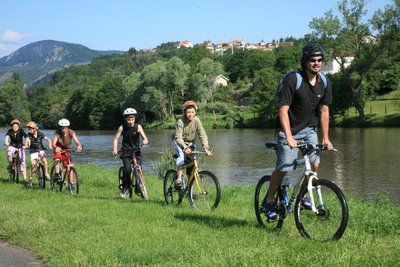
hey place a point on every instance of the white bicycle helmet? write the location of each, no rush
(63, 123)
(129, 111)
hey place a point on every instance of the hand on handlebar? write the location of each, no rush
(208, 152)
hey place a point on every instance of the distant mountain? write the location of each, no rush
(37, 59)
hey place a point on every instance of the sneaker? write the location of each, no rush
(122, 193)
(270, 210)
(47, 177)
(306, 203)
(178, 185)
(30, 184)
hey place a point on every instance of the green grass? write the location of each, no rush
(383, 111)
(97, 228)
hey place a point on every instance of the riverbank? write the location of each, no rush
(97, 228)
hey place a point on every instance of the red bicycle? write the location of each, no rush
(70, 177)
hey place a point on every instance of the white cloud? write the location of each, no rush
(11, 36)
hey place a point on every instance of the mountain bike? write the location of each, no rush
(137, 179)
(15, 167)
(70, 176)
(40, 173)
(320, 207)
(201, 187)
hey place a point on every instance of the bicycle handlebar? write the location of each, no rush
(300, 145)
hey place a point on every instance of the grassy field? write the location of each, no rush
(381, 112)
(97, 228)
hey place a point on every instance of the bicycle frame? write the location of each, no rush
(68, 165)
(195, 171)
(306, 172)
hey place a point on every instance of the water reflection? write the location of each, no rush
(367, 160)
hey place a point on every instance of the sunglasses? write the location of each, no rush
(313, 60)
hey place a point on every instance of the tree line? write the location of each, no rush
(157, 83)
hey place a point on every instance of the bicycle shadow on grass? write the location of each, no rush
(212, 221)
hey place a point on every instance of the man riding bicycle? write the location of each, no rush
(299, 110)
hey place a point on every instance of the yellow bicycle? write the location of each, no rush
(201, 187)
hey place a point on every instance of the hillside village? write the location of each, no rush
(330, 66)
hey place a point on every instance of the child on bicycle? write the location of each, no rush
(63, 140)
(36, 148)
(131, 133)
(14, 142)
(186, 129)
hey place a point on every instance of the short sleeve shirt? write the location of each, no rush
(36, 142)
(305, 103)
(16, 138)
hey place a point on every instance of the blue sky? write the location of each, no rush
(122, 24)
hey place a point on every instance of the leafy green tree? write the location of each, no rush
(350, 36)
(287, 58)
(13, 101)
(264, 100)
(106, 105)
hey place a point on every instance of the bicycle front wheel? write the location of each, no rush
(205, 191)
(330, 222)
(13, 173)
(140, 184)
(260, 198)
(171, 194)
(40, 176)
(73, 181)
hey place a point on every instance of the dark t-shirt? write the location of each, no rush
(305, 103)
(16, 137)
(36, 142)
(130, 140)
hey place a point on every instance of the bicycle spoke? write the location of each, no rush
(259, 198)
(330, 221)
(205, 192)
(171, 195)
(73, 181)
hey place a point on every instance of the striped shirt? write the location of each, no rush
(36, 142)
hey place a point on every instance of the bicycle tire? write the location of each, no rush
(12, 173)
(141, 185)
(331, 222)
(40, 176)
(53, 181)
(120, 177)
(259, 196)
(73, 181)
(205, 194)
(131, 183)
(172, 195)
(17, 171)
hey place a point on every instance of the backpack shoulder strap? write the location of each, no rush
(299, 80)
(324, 80)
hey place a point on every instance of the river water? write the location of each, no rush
(366, 163)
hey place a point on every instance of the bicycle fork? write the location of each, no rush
(311, 195)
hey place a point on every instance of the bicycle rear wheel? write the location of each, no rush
(73, 181)
(260, 197)
(331, 220)
(205, 192)
(172, 195)
(40, 176)
(140, 184)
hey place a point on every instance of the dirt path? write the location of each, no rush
(13, 256)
